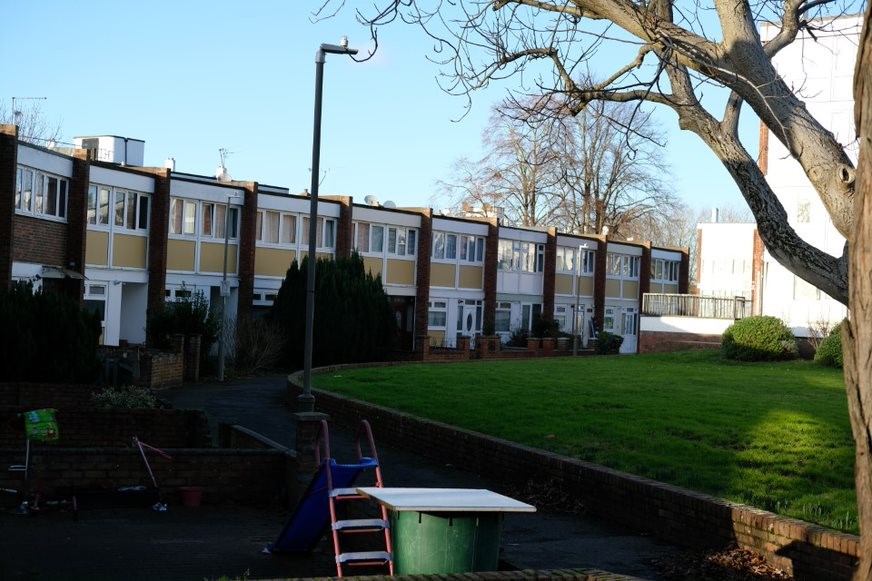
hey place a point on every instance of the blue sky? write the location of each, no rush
(190, 77)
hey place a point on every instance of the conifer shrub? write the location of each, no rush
(608, 343)
(353, 318)
(189, 315)
(829, 352)
(758, 339)
(46, 337)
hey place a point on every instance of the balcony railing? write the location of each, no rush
(669, 305)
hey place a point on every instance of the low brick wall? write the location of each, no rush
(260, 475)
(44, 395)
(95, 427)
(661, 342)
(161, 369)
(522, 575)
(669, 512)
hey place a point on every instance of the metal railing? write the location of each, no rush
(674, 305)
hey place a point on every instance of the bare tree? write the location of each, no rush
(680, 52)
(612, 173)
(517, 175)
(33, 126)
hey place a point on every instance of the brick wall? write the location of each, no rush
(669, 512)
(40, 241)
(663, 342)
(422, 281)
(549, 276)
(245, 263)
(161, 369)
(8, 163)
(491, 262)
(97, 427)
(158, 231)
(244, 476)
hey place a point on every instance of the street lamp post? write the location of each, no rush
(306, 401)
(581, 249)
(225, 291)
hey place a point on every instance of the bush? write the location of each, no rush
(543, 327)
(46, 337)
(131, 397)
(830, 350)
(758, 339)
(353, 318)
(518, 338)
(190, 315)
(257, 344)
(608, 343)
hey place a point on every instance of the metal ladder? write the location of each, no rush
(342, 528)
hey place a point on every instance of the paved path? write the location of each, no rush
(544, 540)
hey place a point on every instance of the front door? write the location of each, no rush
(630, 330)
(466, 322)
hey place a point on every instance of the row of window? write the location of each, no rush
(575, 260)
(286, 229)
(470, 314)
(122, 209)
(665, 270)
(623, 266)
(382, 239)
(515, 255)
(40, 194)
(446, 247)
(213, 219)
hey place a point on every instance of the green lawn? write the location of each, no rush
(773, 435)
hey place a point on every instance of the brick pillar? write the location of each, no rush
(645, 271)
(599, 282)
(491, 262)
(345, 228)
(192, 357)
(549, 275)
(422, 280)
(157, 241)
(307, 427)
(684, 272)
(77, 221)
(8, 165)
(245, 260)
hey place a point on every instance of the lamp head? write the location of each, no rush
(343, 42)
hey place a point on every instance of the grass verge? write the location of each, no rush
(772, 435)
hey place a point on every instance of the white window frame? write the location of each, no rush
(325, 235)
(36, 204)
(521, 256)
(437, 306)
(503, 307)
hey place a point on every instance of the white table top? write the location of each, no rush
(444, 500)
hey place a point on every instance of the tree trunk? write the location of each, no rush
(857, 334)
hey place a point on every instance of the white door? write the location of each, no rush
(630, 330)
(466, 322)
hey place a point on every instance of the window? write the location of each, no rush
(560, 315)
(444, 246)
(289, 229)
(129, 210)
(208, 221)
(665, 270)
(471, 249)
(41, 194)
(503, 318)
(376, 238)
(521, 256)
(268, 226)
(623, 266)
(221, 218)
(183, 216)
(437, 315)
(325, 235)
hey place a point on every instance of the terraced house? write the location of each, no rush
(93, 223)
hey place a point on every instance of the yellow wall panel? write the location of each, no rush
(97, 248)
(436, 338)
(587, 286)
(373, 265)
(471, 277)
(613, 288)
(401, 272)
(670, 288)
(563, 284)
(631, 289)
(180, 255)
(212, 257)
(442, 275)
(129, 251)
(272, 261)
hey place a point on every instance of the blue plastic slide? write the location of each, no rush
(312, 515)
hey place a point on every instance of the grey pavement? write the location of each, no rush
(211, 541)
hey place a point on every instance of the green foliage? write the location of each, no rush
(131, 397)
(518, 338)
(608, 343)
(353, 318)
(758, 339)
(543, 327)
(190, 315)
(46, 337)
(830, 351)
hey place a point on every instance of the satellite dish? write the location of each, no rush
(389, 204)
(371, 200)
